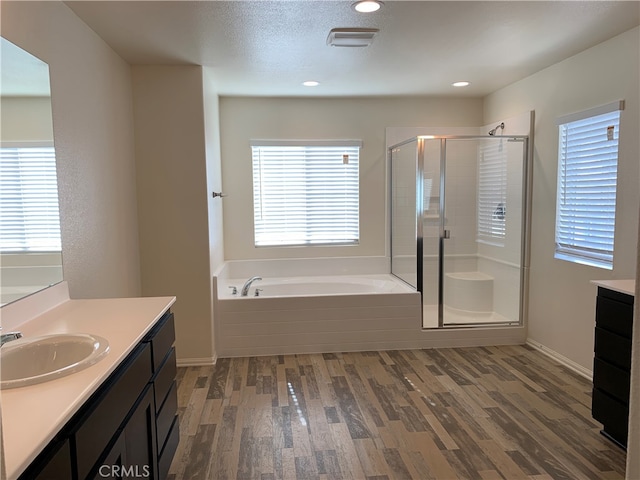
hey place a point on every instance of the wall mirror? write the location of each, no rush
(30, 248)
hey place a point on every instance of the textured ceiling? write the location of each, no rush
(269, 48)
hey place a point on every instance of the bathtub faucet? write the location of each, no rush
(245, 288)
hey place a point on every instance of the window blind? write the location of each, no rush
(587, 177)
(306, 194)
(492, 193)
(29, 215)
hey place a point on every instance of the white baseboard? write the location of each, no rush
(570, 364)
(196, 362)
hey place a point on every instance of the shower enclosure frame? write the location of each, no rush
(525, 220)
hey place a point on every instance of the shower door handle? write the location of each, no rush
(446, 234)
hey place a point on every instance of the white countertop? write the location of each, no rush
(622, 286)
(32, 415)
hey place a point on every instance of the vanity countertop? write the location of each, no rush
(32, 415)
(622, 286)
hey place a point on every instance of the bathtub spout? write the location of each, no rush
(245, 288)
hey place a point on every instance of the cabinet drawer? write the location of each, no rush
(613, 348)
(161, 337)
(614, 316)
(169, 449)
(166, 414)
(164, 379)
(611, 379)
(112, 404)
(613, 415)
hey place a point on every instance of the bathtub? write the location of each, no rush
(326, 305)
(312, 305)
(314, 286)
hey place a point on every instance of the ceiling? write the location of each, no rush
(268, 48)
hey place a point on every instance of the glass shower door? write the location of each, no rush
(404, 207)
(482, 231)
(432, 152)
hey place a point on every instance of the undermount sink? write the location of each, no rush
(29, 361)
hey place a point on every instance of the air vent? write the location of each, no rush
(351, 37)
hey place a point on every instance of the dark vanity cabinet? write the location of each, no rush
(165, 393)
(612, 363)
(129, 427)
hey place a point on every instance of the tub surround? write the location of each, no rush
(304, 267)
(32, 415)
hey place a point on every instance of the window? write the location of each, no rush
(305, 192)
(492, 193)
(29, 217)
(587, 173)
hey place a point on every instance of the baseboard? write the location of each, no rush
(561, 359)
(196, 362)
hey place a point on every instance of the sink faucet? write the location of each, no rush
(245, 288)
(8, 337)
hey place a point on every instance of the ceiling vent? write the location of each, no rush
(351, 37)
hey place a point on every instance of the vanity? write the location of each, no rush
(612, 357)
(116, 418)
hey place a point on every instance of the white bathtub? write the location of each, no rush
(314, 286)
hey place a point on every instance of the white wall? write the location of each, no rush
(172, 199)
(93, 132)
(242, 119)
(562, 301)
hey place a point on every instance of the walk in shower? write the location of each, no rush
(459, 210)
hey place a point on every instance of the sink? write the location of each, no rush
(29, 361)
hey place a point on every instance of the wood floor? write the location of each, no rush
(460, 413)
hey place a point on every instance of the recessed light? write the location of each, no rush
(310, 83)
(461, 84)
(367, 6)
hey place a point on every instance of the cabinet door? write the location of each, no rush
(57, 466)
(113, 465)
(140, 438)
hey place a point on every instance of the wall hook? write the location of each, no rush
(219, 194)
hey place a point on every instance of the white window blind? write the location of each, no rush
(29, 215)
(492, 193)
(587, 176)
(305, 193)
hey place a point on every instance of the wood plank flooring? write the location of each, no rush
(480, 413)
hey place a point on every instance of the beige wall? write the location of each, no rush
(172, 199)
(243, 119)
(562, 301)
(633, 444)
(93, 131)
(26, 119)
(214, 169)
(214, 183)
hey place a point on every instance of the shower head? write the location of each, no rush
(493, 131)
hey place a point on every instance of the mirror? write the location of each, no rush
(30, 249)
